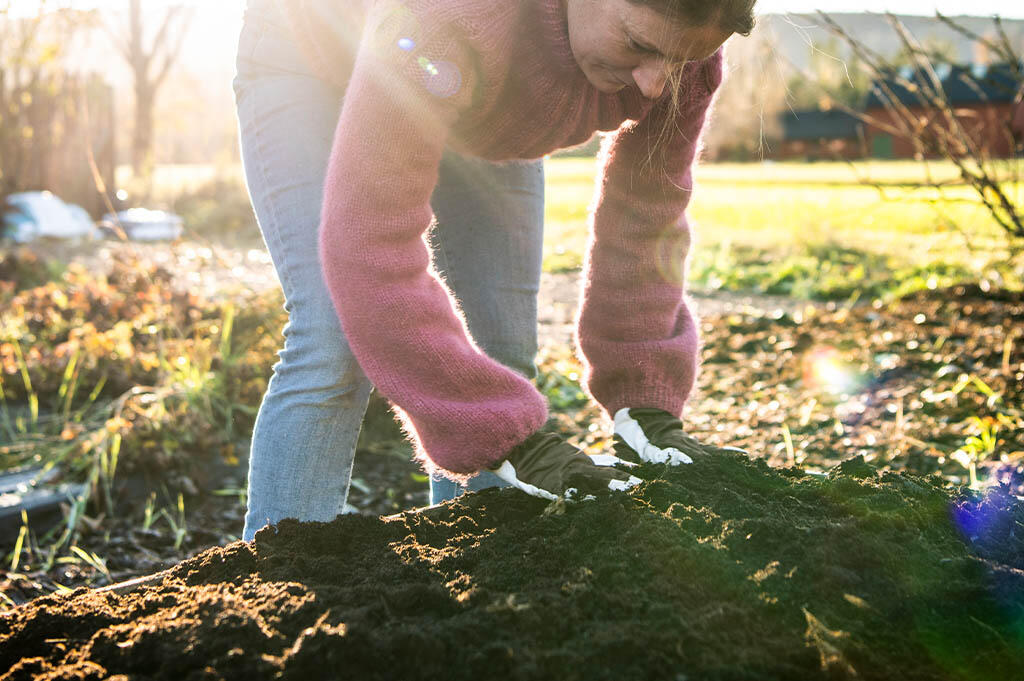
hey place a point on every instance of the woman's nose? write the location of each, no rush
(651, 77)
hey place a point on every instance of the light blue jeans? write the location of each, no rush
(486, 246)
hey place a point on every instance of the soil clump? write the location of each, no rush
(724, 569)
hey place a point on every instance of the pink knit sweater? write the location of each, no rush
(496, 80)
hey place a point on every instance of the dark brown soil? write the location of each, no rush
(726, 569)
(722, 570)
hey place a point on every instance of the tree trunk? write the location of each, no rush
(149, 68)
(142, 137)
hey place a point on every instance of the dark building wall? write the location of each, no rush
(818, 150)
(988, 125)
(1018, 123)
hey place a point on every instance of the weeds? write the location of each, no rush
(242, 494)
(558, 380)
(148, 516)
(103, 376)
(177, 522)
(90, 559)
(983, 441)
(825, 272)
(978, 447)
(20, 543)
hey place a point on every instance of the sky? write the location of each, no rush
(1006, 8)
(211, 43)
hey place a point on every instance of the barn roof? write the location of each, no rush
(810, 124)
(963, 84)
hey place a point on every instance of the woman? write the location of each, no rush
(363, 121)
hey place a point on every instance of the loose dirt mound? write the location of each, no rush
(725, 569)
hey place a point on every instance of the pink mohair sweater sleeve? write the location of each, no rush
(463, 410)
(637, 336)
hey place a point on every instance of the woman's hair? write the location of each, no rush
(731, 16)
(734, 16)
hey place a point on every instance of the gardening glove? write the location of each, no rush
(656, 436)
(546, 466)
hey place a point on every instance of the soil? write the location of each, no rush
(724, 569)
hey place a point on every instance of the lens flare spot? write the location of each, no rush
(428, 66)
(986, 517)
(825, 370)
(443, 78)
(396, 25)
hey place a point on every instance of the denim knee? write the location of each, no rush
(519, 357)
(316, 361)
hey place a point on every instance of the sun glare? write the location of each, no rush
(23, 8)
(826, 371)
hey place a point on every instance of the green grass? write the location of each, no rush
(839, 172)
(788, 219)
(811, 230)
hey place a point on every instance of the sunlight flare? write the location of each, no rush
(825, 370)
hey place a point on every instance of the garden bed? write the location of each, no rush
(725, 569)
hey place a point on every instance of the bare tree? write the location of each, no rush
(150, 61)
(918, 110)
(22, 68)
(41, 103)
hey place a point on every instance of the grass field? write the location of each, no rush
(805, 229)
(745, 212)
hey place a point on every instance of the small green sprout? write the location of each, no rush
(981, 446)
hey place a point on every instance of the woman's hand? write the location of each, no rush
(656, 436)
(546, 466)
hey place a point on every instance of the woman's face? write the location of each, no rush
(618, 44)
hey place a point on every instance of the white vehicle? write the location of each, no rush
(143, 224)
(33, 215)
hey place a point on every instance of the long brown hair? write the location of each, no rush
(731, 16)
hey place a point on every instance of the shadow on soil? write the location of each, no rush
(725, 569)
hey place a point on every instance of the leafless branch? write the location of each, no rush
(172, 51)
(931, 124)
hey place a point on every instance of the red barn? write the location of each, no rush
(1018, 125)
(982, 99)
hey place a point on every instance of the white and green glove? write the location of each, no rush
(656, 436)
(546, 466)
